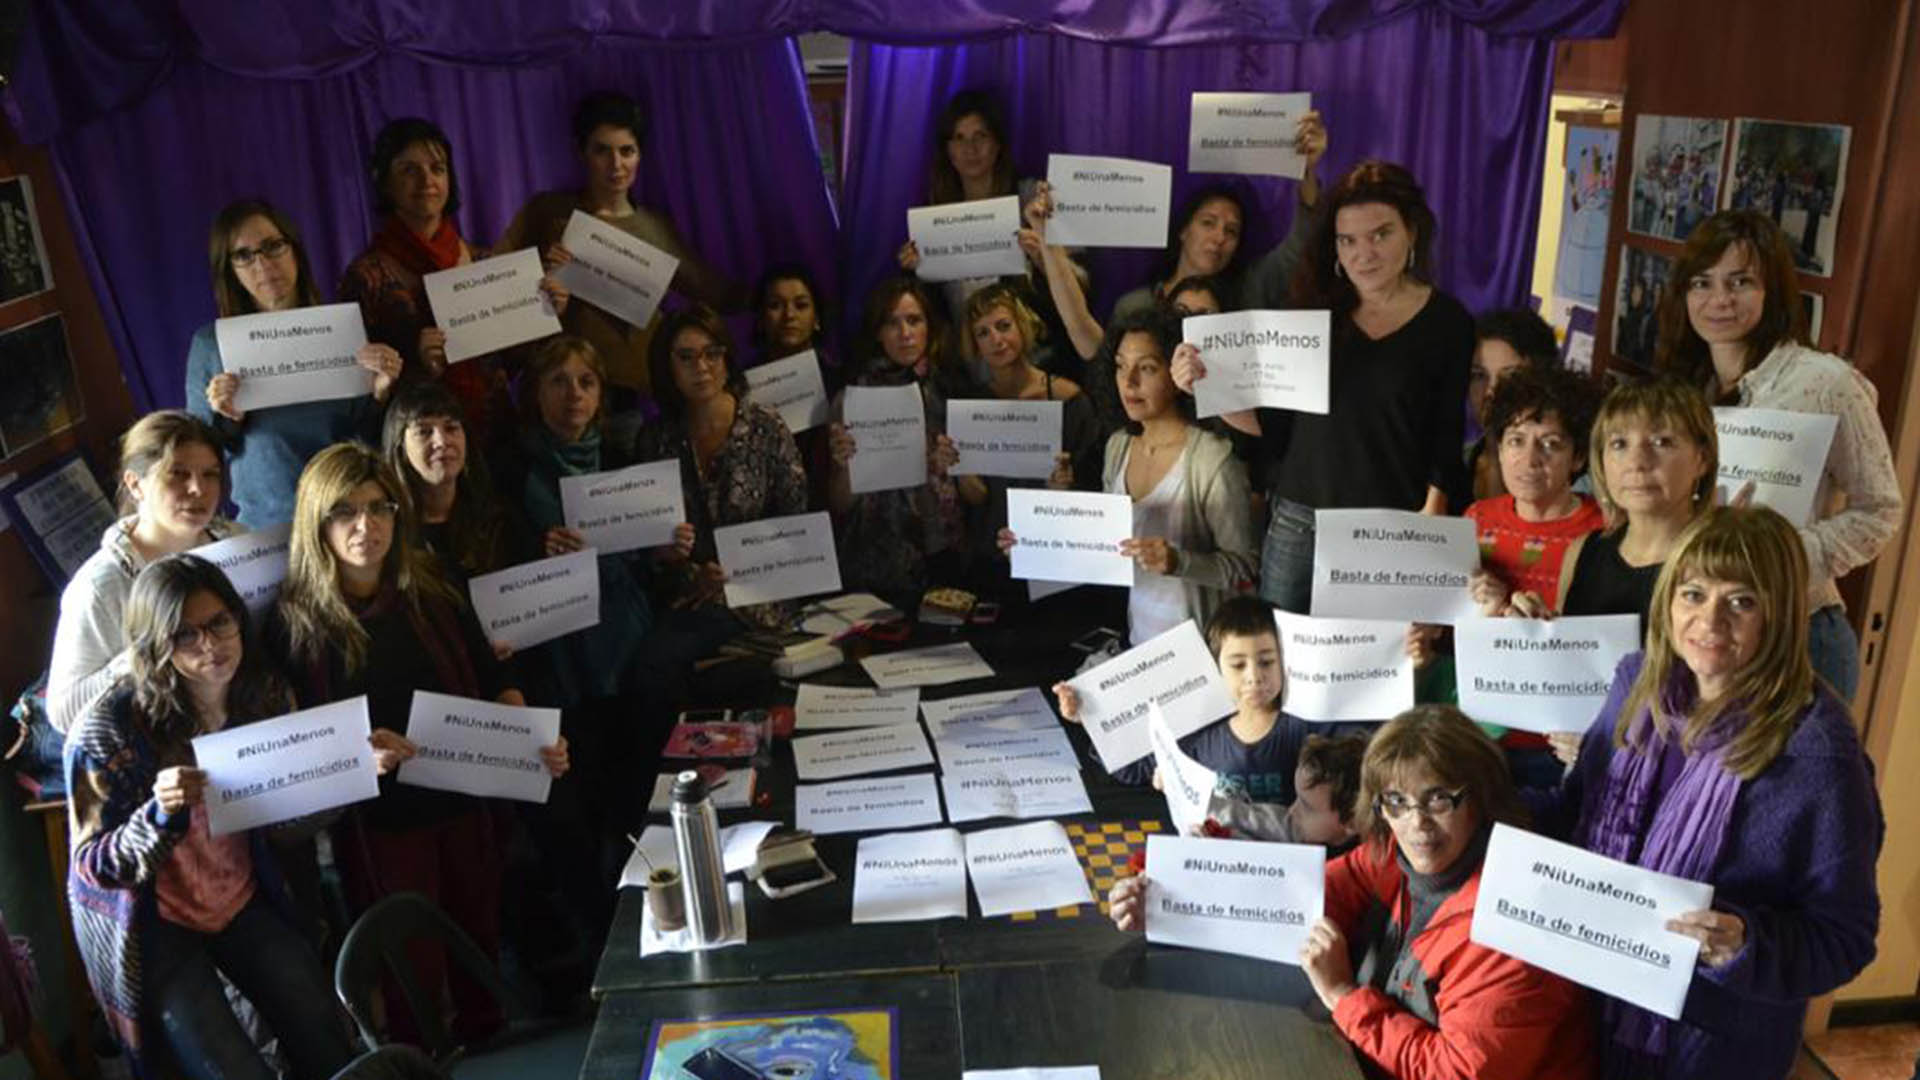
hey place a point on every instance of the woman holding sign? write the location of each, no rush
(259, 263)
(1719, 757)
(163, 909)
(366, 611)
(1733, 326)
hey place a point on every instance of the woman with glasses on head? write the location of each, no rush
(1424, 1001)
(171, 482)
(1731, 324)
(1719, 757)
(365, 610)
(259, 264)
(162, 908)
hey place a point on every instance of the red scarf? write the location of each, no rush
(397, 241)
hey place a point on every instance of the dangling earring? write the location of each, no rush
(1410, 254)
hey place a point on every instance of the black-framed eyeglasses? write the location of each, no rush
(222, 627)
(1436, 803)
(271, 248)
(347, 513)
(715, 353)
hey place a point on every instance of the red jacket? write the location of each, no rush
(1500, 1019)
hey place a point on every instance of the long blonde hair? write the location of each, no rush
(312, 605)
(1665, 400)
(1758, 548)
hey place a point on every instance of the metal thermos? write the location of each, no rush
(703, 876)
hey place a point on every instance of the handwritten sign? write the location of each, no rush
(885, 802)
(1174, 671)
(930, 666)
(1017, 439)
(967, 239)
(624, 509)
(1540, 674)
(491, 304)
(1588, 918)
(1234, 896)
(535, 602)
(1261, 359)
(275, 770)
(1252, 134)
(1070, 535)
(1108, 202)
(480, 748)
(1345, 669)
(791, 387)
(1393, 564)
(287, 357)
(778, 558)
(906, 877)
(861, 750)
(1782, 454)
(816, 706)
(889, 429)
(615, 270)
(255, 564)
(1025, 868)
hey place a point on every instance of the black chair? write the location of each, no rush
(377, 946)
(392, 1062)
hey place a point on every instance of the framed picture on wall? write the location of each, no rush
(1643, 276)
(1676, 174)
(24, 270)
(39, 393)
(1795, 174)
(60, 512)
(1580, 270)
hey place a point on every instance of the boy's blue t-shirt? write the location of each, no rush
(1261, 771)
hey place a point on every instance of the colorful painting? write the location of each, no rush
(1676, 174)
(1580, 270)
(845, 1044)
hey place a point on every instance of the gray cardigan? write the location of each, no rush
(1224, 556)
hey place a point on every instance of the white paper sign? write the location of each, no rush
(491, 304)
(1345, 669)
(1075, 1072)
(889, 429)
(994, 711)
(287, 357)
(1016, 439)
(534, 602)
(254, 562)
(1070, 535)
(1588, 918)
(791, 387)
(1027, 790)
(479, 748)
(816, 706)
(1261, 359)
(1174, 671)
(886, 802)
(1027, 867)
(276, 770)
(1247, 133)
(1782, 454)
(1234, 896)
(778, 558)
(614, 270)
(930, 666)
(907, 877)
(624, 509)
(968, 239)
(1393, 564)
(1047, 746)
(1187, 783)
(1108, 202)
(1540, 674)
(862, 750)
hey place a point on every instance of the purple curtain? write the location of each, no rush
(731, 158)
(1462, 108)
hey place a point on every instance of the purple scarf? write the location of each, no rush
(1677, 831)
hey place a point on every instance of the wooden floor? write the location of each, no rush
(1881, 1052)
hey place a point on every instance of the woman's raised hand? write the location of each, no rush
(1188, 368)
(840, 444)
(179, 788)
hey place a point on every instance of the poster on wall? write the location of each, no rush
(1676, 174)
(1580, 269)
(24, 269)
(40, 394)
(1636, 303)
(1795, 174)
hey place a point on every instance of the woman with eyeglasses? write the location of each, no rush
(365, 610)
(1720, 757)
(162, 908)
(1392, 958)
(1731, 324)
(171, 483)
(259, 264)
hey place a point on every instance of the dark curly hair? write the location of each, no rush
(1536, 393)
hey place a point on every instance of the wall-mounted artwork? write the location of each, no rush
(1580, 269)
(1676, 174)
(1795, 174)
(24, 270)
(39, 393)
(1636, 304)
